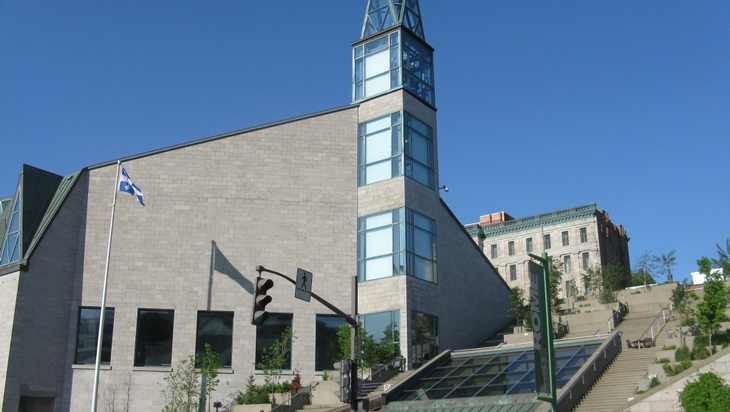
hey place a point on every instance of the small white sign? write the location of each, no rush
(303, 289)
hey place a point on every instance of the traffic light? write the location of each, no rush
(344, 379)
(260, 300)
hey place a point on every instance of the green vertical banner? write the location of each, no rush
(542, 330)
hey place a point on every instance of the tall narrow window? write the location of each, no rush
(586, 260)
(87, 335)
(10, 247)
(325, 352)
(271, 331)
(566, 264)
(583, 235)
(494, 251)
(418, 142)
(566, 239)
(421, 246)
(528, 245)
(380, 149)
(153, 345)
(513, 272)
(424, 338)
(216, 330)
(511, 248)
(546, 241)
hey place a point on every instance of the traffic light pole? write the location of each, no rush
(349, 319)
(354, 344)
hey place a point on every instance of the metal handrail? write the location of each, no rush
(661, 325)
(294, 401)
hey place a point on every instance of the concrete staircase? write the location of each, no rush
(621, 380)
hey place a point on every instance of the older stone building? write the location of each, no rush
(351, 191)
(579, 237)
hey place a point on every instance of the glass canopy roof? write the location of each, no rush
(384, 14)
(497, 373)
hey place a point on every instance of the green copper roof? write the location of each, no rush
(531, 222)
(381, 15)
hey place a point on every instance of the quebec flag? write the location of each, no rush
(126, 185)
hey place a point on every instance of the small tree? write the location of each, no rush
(519, 308)
(666, 262)
(723, 258)
(707, 394)
(682, 305)
(645, 264)
(641, 278)
(555, 279)
(276, 357)
(712, 308)
(184, 392)
(605, 280)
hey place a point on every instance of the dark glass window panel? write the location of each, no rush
(153, 345)
(268, 333)
(216, 330)
(326, 341)
(87, 336)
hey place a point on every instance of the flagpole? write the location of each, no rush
(100, 335)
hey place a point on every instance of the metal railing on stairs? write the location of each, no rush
(295, 401)
(656, 326)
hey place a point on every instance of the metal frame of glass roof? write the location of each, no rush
(473, 373)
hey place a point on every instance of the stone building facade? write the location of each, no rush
(351, 191)
(580, 237)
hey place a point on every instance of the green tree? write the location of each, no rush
(372, 353)
(707, 394)
(208, 366)
(276, 357)
(682, 305)
(641, 278)
(723, 258)
(519, 308)
(646, 264)
(555, 278)
(712, 308)
(666, 262)
(605, 280)
(183, 391)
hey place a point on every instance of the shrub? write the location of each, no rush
(672, 370)
(707, 394)
(663, 360)
(682, 354)
(700, 352)
(670, 347)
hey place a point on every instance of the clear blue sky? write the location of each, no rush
(541, 105)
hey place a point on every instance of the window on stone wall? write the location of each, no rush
(586, 260)
(566, 264)
(216, 330)
(424, 338)
(511, 248)
(382, 326)
(269, 332)
(87, 336)
(494, 252)
(528, 245)
(325, 352)
(546, 241)
(566, 238)
(583, 235)
(153, 344)
(397, 242)
(513, 272)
